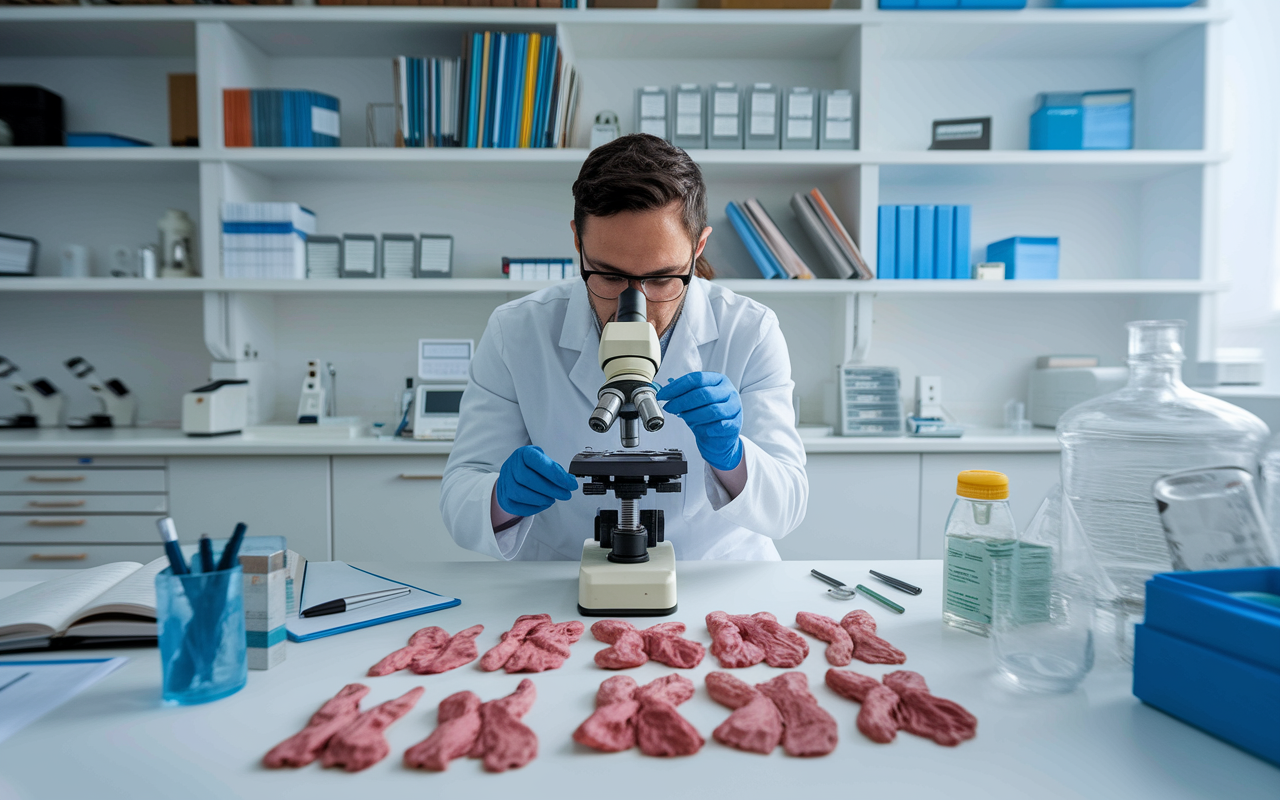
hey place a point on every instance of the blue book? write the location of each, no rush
(960, 265)
(924, 242)
(540, 92)
(330, 103)
(944, 242)
(516, 97)
(473, 90)
(255, 117)
(499, 89)
(323, 581)
(906, 261)
(288, 116)
(887, 243)
(759, 253)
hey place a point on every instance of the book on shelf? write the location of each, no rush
(838, 259)
(505, 90)
(786, 255)
(280, 118)
(766, 261)
(265, 240)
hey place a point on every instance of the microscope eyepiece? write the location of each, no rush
(632, 306)
(646, 403)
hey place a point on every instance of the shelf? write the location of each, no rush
(500, 286)
(363, 163)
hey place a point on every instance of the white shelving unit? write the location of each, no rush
(1138, 227)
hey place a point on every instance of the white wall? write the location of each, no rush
(1248, 242)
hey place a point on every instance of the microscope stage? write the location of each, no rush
(606, 589)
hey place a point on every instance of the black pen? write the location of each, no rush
(232, 549)
(206, 553)
(169, 535)
(355, 601)
(896, 583)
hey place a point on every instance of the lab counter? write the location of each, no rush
(117, 741)
(170, 442)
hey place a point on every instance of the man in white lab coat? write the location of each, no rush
(640, 219)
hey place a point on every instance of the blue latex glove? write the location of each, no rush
(530, 482)
(709, 404)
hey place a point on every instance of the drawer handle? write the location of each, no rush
(410, 476)
(59, 556)
(55, 478)
(56, 523)
(55, 504)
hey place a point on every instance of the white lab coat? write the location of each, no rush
(534, 380)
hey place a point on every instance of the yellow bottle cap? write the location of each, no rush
(983, 484)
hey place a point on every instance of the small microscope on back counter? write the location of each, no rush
(119, 406)
(44, 401)
(628, 569)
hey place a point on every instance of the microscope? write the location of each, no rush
(628, 569)
(119, 406)
(44, 401)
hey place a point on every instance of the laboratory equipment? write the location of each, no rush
(896, 583)
(763, 131)
(980, 542)
(324, 257)
(838, 120)
(1054, 390)
(119, 406)
(44, 401)
(1026, 257)
(312, 404)
(399, 255)
(435, 410)
(148, 262)
(651, 112)
(1015, 417)
(177, 245)
(1042, 626)
(725, 130)
(216, 408)
(1116, 446)
(359, 256)
(839, 589)
(869, 401)
(1232, 366)
(961, 134)
(435, 256)
(1212, 520)
(628, 569)
(73, 260)
(18, 255)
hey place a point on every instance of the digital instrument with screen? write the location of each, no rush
(435, 410)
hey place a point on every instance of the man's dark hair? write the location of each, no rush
(640, 172)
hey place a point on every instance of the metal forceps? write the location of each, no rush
(839, 590)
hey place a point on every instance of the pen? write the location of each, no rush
(884, 601)
(896, 583)
(355, 601)
(232, 549)
(169, 535)
(206, 553)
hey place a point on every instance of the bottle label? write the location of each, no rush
(976, 572)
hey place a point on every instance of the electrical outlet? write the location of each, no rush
(928, 396)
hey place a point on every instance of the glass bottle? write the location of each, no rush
(980, 540)
(1116, 446)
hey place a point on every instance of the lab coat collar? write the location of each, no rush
(695, 327)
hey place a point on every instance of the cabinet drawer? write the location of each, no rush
(78, 481)
(104, 529)
(24, 556)
(44, 504)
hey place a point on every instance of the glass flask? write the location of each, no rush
(1043, 635)
(980, 541)
(1116, 446)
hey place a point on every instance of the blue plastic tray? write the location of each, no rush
(1198, 607)
(1220, 695)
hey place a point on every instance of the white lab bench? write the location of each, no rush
(371, 499)
(117, 741)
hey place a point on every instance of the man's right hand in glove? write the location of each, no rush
(530, 482)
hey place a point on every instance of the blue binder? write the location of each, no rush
(944, 242)
(960, 267)
(906, 267)
(887, 243)
(924, 242)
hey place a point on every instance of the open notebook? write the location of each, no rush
(114, 600)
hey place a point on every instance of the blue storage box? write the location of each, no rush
(1200, 607)
(1223, 696)
(1026, 257)
(1101, 120)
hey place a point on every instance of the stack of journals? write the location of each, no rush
(773, 253)
(924, 242)
(265, 240)
(279, 118)
(506, 90)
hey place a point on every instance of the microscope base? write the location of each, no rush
(606, 589)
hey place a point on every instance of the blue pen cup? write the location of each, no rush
(202, 639)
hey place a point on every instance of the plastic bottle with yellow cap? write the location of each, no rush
(981, 539)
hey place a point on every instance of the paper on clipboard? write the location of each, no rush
(331, 580)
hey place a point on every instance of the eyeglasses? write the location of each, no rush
(660, 289)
